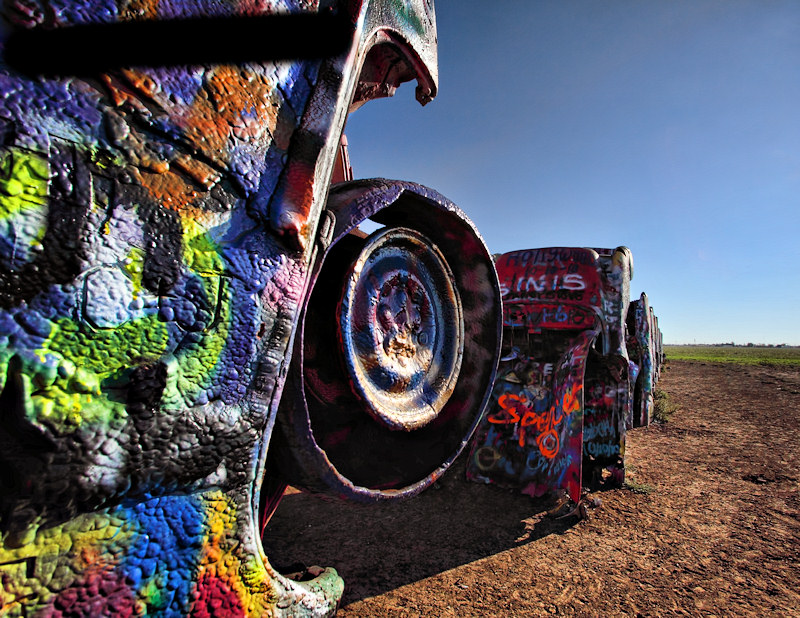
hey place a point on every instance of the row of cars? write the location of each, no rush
(579, 364)
(191, 318)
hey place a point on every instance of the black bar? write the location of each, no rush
(89, 49)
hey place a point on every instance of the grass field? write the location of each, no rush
(730, 354)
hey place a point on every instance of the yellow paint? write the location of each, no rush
(23, 182)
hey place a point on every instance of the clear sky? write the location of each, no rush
(669, 126)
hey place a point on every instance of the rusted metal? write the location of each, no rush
(337, 436)
(401, 328)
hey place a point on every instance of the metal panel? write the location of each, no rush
(563, 393)
(532, 436)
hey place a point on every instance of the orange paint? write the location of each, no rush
(235, 106)
(516, 409)
(509, 404)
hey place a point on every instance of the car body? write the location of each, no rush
(162, 228)
(562, 393)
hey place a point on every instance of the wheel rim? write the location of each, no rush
(401, 328)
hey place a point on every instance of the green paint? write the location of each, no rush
(106, 351)
(153, 594)
(5, 355)
(200, 254)
(134, 267)
(104, 159)
(194, 368)
(89, 362)
(78, 376)
(413, 20)
(23, 197)
(23, 182)
(196, 364)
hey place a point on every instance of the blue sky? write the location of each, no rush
(669, 126)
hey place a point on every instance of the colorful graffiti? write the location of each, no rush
(641, 344)
(607, 402)
(657, 353)
(531, 438)
(157, 230)
(518, 410)
(549, 430)
(137, 296)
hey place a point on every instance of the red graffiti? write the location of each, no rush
(510, 406)
(517, 409)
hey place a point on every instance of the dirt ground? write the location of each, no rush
(709, 524)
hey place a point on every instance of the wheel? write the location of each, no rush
(394, 357)
(401, 329)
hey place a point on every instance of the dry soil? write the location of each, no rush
(707, 525)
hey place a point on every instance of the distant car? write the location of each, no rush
(644, 351)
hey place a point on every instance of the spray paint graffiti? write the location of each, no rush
(604, 430)
(532, 437)
(548, 430)
(158, 226)
(657, 354)
(517, 410)
(641, 343)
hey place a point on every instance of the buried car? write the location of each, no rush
(189, 316)
(562, 394)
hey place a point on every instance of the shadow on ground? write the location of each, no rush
(377, 548)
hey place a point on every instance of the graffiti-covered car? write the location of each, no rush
(643, 351)
(646, 352)
(562, 394)
(189, 315)
(658, 346)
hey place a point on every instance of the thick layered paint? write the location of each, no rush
(556, 288)
(563, 389)
(401, 326)
(170, 556)
(324, 412)
(154, 225)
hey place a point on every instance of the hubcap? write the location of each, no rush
(401, 327)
